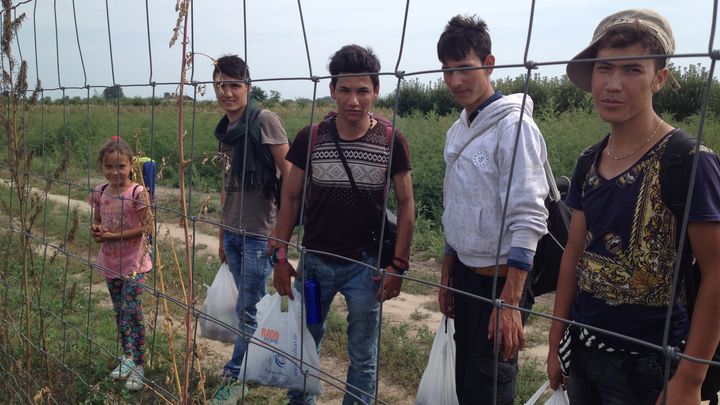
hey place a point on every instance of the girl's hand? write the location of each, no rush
(98, 232)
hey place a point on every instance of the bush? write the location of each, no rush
(687, 101)
(416, 97)
(557, 95)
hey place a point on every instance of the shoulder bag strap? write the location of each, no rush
(336, 138)
(334, 134)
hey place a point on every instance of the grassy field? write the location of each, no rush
(76, 131)
(73, 133)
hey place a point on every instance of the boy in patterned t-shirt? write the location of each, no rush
(617, 270)
(340, 220)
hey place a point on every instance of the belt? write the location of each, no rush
(489, 271)
(340, 259)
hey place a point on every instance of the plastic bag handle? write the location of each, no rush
(538, 393)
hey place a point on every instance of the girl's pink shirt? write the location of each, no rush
(122, 256)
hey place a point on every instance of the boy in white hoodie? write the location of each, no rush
(483, 168)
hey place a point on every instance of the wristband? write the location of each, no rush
(400, 270)
(402, 261)
(405, 266)
(279, 256)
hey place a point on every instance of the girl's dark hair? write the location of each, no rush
(463, 34)
(355, 59)
(115, 145)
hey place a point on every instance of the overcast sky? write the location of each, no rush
(275, 45)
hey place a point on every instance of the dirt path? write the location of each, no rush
(174, 230)
(407, 309)
(214, 353)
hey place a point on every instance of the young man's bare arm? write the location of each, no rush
(565, 291)
(278, 153)
(290, 203)
(402, 184)
(684, 386)
(221, 234)
(445, 296)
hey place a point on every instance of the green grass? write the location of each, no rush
(79, 332)
(154, 133)
(530, 377)
(404, 350)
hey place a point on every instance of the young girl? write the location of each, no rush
(120, 222)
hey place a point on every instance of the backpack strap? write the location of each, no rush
(675, 167)
(135, 194)
(389, 130)
(314, 128)
(587, 158)
(101, 191)
(313, 136)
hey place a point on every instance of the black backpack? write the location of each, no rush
(675, 167)
(550, 248)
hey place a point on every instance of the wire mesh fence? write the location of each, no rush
(57, 333)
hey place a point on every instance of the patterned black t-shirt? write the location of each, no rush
(337, 220)
(625, 273)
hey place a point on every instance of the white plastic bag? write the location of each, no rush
(219, 305)
(281, 331)
(437, 386)
(557, 398)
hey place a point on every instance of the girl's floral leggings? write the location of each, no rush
(126, 295)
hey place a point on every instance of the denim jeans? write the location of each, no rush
(599, 377)
(475, 355)
(250, 266)
(355, 283)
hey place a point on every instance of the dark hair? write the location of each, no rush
(233, 66)
(623, 37)
(115, 145)
(355, 59)
(463, 34)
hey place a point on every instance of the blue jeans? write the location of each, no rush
(250, 266)
(599, 377)
(355, 283)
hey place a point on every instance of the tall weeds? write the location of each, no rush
(14, 83)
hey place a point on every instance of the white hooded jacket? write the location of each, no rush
(478, 159)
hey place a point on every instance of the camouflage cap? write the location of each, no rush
(579, 70)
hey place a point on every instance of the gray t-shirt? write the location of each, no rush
(258, 213)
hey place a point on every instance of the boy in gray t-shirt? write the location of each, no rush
(251, 170)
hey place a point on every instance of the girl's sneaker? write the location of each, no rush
(135, 379)
(123, 370)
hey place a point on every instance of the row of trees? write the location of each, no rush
(551, 95)
(556, 95)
